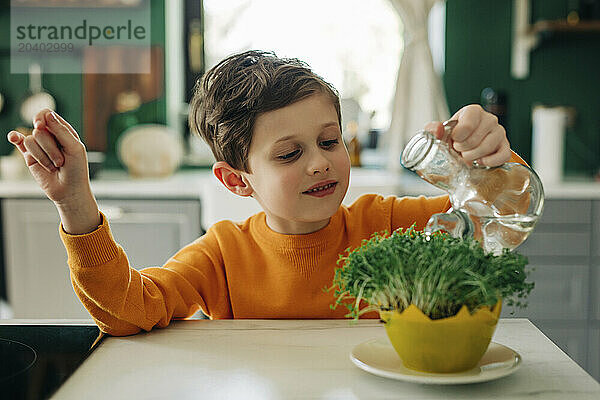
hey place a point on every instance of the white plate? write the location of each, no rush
(378, 357)
(150, 150)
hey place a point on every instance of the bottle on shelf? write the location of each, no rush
(494, 101)
(354, 146)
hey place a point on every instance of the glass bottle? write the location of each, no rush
(499, 206)
(353, 144)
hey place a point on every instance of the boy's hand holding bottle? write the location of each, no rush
(57, 159)
(477, 136)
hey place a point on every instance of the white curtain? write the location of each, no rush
(420, 96)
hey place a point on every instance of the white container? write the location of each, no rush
(548, 142)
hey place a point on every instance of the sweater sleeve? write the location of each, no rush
(514, 157)
(124, 301)
(417, 210)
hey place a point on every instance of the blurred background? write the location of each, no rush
(355, 45)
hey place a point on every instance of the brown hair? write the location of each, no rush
(230, 96)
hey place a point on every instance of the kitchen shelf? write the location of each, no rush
(526, 36)
(564, 26)
(77, 3)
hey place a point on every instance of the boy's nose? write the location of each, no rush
(319, 164)
(316, 171)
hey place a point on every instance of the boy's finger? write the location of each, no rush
(486, 126)
(66, 124)
(498, 158)
(16, 138)
(39, 119)
(38, 154)
(472, 141)
(489, 145)
(62, 133)
(49, 145)
(42, 117)
(468, 121)
(436, 128)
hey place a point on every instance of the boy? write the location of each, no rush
(274, 128)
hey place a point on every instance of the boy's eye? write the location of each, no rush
(289, 156)
(329, 143)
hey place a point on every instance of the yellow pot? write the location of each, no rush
(450, 344)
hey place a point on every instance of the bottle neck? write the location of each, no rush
(415, 151)
(433, 160)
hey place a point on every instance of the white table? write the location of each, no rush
(308, 359)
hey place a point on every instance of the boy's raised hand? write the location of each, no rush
(477, 136)
(57, 159)
(54, 154)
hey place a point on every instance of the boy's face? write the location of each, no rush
(295, 149)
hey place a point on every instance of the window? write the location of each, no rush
(355, 45)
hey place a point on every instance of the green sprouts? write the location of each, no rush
(438, 273)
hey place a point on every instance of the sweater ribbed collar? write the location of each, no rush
(328, 236)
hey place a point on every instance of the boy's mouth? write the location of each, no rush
(321, 189)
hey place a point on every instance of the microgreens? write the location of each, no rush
(436, 272)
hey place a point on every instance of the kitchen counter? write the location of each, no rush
(187, 184)
(184, 184)
(275, 359)
(190, 184)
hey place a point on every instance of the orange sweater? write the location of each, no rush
(235, 270)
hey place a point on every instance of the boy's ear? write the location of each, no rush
(231, 178)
